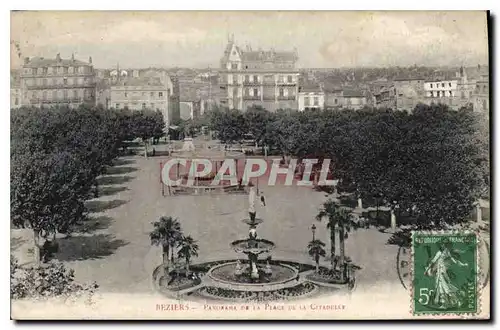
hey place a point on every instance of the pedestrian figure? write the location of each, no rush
(263, 200)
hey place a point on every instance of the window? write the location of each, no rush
(160, 94)
(306, 101)
(44, 82)
(144, 106)
(255, 92)
(247, 78)
(290, 79)
(152, 105)
(438, 93)
(71, 70)
(316, 100)
(255, 79)
(247, 91)
(117, 105)
(143, 93)
(282, 92)
(16, 102)
(442, 84)
(281, 79)
(431, 85)
(451, 93)
(432, 94)
(449, 84)
(230, 79)
(54, 95)
(65, 70)
(336, 100)
(152, 94)
(234, 66)
(65, 94)
(44, 95)
(75, 94)
(65, 81)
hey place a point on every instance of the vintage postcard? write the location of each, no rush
(246, 165)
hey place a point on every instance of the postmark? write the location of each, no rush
(445, 273)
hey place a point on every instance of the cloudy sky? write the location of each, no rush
(198, 39)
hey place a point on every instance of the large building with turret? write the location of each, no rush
(257, 77)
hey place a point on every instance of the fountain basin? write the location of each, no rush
(252, 223)
(244, 246)
(223, 276)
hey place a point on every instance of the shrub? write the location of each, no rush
(50, 280)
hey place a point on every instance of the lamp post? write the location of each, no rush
(313, 229)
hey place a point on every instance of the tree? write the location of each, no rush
(256, 118)
(330, 211)
(316, 250)
(187, 249)
(166, 233)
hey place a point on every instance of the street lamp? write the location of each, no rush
(313, 229)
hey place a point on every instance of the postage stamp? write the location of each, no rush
(444, 273)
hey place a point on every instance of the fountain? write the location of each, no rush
(253, 274)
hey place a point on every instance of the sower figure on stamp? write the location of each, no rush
(446, 294)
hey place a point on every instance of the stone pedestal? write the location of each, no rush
(360, 203)
(393, 220)
(479, 213)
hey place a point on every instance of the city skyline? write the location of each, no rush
(198, 39)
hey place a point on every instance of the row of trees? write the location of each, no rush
(167, 233)
(57, 155)
(432, 162)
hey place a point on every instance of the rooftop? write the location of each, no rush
(353, 93)
(308, 85)
(37, 62)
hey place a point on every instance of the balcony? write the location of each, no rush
(251, 98)
(251, 83)
(61, 86)
(286, 83)
(287, 98)
(64, 100)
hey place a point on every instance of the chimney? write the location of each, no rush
(26, 60)
(73, 57)
(90, 59)
(58, 57)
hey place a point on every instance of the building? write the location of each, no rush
(310, 96)
(385, 97)
(337, 97)
(153, 93)
(265, 78)
(481, 95)
(353, 99)
(15, 89)
(441, 88)
(57, 81)
(189, 102)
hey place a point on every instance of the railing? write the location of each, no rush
(249, 97)
(286, 98)
(53, 86)
(65, 100)
(251, 83)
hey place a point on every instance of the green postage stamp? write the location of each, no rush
(445, 271)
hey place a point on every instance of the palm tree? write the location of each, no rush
(330, 212)
(187, 249)
(166, 233)
(316, 250)
(346, 222)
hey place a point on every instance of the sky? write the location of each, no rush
(324, 39)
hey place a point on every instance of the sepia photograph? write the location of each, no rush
(250, 165)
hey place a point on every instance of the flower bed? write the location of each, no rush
(297, 291)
